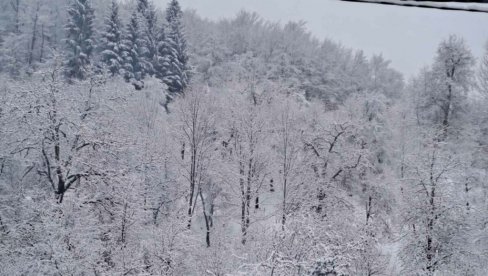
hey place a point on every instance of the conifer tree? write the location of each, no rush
(142, 5)
(112, 38)
(163, 64)
(149, 18)
(176, 77)
(165, 56)
(134, 51)
(80, 38)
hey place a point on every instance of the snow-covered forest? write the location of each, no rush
(143, 141)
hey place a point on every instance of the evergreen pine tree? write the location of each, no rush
(165, 56)
(142, 6)
(111, 44)
(164, 64)
(134, 51)
(176, 75)
(80, 40)
(148, 12)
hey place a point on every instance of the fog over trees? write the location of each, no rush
(140, 141)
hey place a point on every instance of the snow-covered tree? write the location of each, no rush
(163, 64)
(79, 38)
(196, 122)
(177, 75)
(482, 74)
(453, 75)
(149, 23)
(134, 48)
(245, 151)
(111, 48)
(434, 217)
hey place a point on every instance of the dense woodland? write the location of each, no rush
(141, 141)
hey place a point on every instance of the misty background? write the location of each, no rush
(413, 33)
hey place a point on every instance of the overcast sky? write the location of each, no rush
(406, 36)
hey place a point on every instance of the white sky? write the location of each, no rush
(407, 36)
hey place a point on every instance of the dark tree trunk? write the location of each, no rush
(192, 183)
(206, 217)
(41, 53)
(124, 224)
(34, 36)
(368, 209)
(243, 203)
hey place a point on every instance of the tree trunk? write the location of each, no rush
(207, 223)
(16, 7)
(248, 192)
(192, 183)
(34, 36)
(41, 53)
(243, 203)
(124, 224)
(368, 210)
(283, 218)
(430, 230)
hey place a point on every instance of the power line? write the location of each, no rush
(441, 5)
